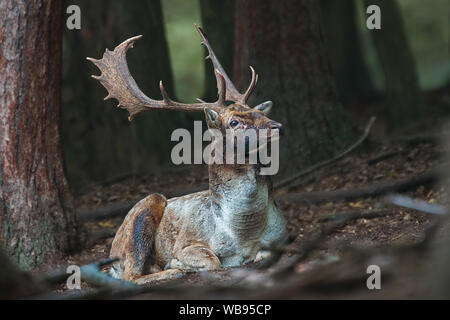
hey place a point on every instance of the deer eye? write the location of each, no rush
(234, 123)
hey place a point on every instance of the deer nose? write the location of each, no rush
(276, 125)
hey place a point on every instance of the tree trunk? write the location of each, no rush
(341, 32)
(37, 220)
(218, 23)
(402, 86)
(284, 42)
(100, 140)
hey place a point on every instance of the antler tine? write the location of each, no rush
(250, 88)
(221, 88)
(164, 94)
(116, 78)
(232, 94)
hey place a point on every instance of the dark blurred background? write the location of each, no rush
(400, 73)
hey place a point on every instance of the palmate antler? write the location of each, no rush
(119, 83)
(116, 78)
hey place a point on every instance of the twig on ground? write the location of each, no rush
(353, 214)
(383, 156)
(416, 204)
(92, 274)
(120, 209)
(110, 211)
(432, 137)
(61, 275)
(319, 165)
(363, 191)
(97, 235)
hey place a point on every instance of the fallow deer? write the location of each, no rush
(224, 226)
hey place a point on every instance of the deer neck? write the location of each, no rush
(242, 196)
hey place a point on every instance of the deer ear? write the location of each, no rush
(264, 107)
(212, 117)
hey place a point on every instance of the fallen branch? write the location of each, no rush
(363, 191)
(107, 212)
(92, 274)
(416, 204)
(120, 209)
(94, 236)
(432, 137)
(353, 215)
(322, 164)
(383, 156)
(61, 275)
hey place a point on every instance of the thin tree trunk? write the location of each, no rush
(402, 86)
(339, 20)
(100, 140)
(37, 220)
(218, 23)
(284, 42)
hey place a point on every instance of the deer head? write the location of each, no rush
(119, 83)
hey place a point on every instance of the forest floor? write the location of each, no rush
(335, 267)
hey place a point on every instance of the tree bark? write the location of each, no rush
(391, 43)
(283, 40)
(218, 23)
(37, 220)
(100, 140)
(341, 33)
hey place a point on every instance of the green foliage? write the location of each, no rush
(426, 25)
(186, 53)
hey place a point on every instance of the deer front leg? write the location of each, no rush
(192, 257)
(262, 255)
(195, 256)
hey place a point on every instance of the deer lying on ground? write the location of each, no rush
(224, 226)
